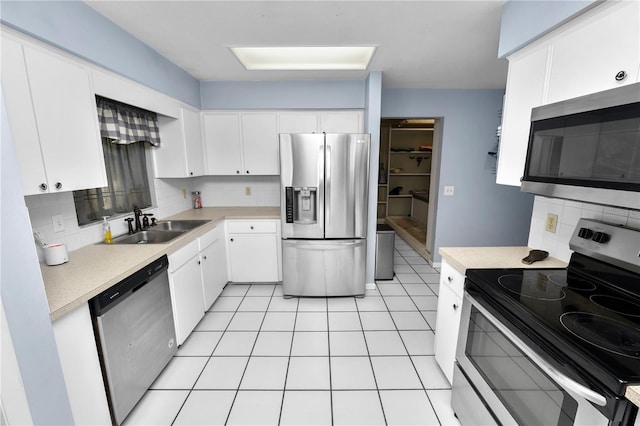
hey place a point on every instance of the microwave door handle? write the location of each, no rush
(557, 376)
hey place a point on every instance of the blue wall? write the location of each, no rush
(77, 28)
(525, 21)
(283, 94)
(481, 212)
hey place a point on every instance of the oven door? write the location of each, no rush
(512, 384)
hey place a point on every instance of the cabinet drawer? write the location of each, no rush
(209, 238)
(252, 227)
(180, 257)
(451, 278)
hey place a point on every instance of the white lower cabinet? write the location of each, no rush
(254, 250)
(78, 354)
(213, 263)
(448, 318)
(185, 280)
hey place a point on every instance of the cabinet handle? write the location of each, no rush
(449, 278)
(231, 239)
(252, 227)
(199, 262)
(191, 173)
(621, 75)
(247, 171)
(204, 257)
(58, 185)
(455, 307)
(43, 186)
(237, 172)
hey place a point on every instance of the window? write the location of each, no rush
(124, 130)
(128, 184)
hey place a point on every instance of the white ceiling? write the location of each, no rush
(421, 44)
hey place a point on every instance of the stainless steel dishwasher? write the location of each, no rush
(135, 334)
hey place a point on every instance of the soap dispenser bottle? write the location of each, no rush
(106, 230)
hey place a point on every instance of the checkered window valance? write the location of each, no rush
(124, 124)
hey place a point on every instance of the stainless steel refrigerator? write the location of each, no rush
(324, 197)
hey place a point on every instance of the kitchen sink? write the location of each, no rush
(148, 237)
(179, 225)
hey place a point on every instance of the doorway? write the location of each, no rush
(408, 179)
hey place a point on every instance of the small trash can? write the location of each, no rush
(385, 238)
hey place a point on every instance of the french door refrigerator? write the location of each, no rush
(324, 196)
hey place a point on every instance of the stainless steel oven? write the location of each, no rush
(553, 346)
(519, 386)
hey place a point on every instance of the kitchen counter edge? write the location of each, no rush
(96, 267)
(463, 258)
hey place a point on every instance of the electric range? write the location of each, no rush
(583, 321)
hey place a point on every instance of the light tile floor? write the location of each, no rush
(259, 359)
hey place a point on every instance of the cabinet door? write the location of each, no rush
(260, 143)
(67, 120)
(192, 134)
(297, 122)
(187, 298)
(222, 144)
(590, 52)
(253, 258)
(15, 88)
(214, 271)
(447, 325)
(525, 90)
(169, 158)
(341, 122)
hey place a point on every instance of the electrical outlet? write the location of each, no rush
(58, 223)
(184, 194)
(247, 190)
(448, 190)
(552, 223)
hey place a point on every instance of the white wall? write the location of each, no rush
(557, 244)
(169, 201)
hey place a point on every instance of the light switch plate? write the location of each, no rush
(58, 223)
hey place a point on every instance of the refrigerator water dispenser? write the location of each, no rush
(301, 205)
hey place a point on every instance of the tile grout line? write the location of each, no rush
(286, 374)
(208, 360)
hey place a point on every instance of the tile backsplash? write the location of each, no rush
(172, 196)
(568, 212)
(169, 201)
(218, 191)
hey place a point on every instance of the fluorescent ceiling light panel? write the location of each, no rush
(304, 58)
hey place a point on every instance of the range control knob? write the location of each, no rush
(600, 237)
(585, 233)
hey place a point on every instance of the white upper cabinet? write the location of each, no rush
(589, 54)
(579, 58)
(260, 143)
(54, 121)
(181, 151)
(347, 121)
(341, 122)
(525, 90)
(223, 148)
(298, 122)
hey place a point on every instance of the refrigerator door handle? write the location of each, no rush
(327, 192)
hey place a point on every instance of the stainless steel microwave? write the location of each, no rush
(587, 149)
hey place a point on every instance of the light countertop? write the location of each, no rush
(94, 268)
(463, 258)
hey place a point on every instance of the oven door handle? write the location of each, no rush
(557, 376)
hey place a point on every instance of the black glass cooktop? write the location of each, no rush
(590, 312)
